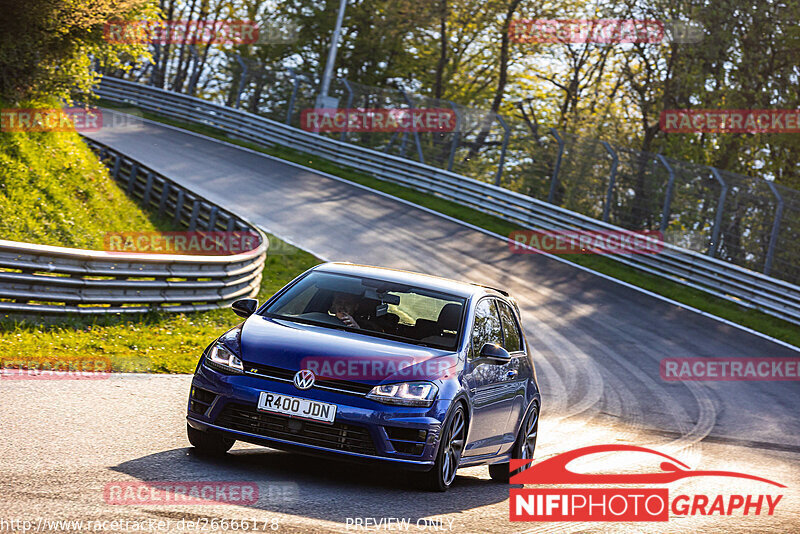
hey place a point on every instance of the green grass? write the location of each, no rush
(54, 191)
(754, 319)
(157, 342)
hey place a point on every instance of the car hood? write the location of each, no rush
(339, 354)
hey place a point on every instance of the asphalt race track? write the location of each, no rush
(597, 344)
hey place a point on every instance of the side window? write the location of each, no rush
(513, 338)
(487, 328)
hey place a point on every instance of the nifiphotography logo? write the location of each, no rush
(624, 504)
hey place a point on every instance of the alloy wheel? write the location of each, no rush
(454, 446)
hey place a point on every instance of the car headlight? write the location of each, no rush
(222, 359)
(405, 393)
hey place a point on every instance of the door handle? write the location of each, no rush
(511, 374)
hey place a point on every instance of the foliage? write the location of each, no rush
(47, 46)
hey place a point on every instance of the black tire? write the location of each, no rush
(207, 443)
(451, 446)
(523, 448)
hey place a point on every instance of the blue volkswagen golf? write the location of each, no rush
(373, 364)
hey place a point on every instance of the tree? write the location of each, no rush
(47, 46)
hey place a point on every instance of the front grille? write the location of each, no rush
(287, 375)
(338, 436)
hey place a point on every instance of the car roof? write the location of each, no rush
(427, 281)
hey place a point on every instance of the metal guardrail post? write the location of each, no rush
(668, 195)
(132, 177)
(148, 188)
(456, 137)
(776, 228)
(117, 163)
(349, 106)
(506, 134)
(212, 218)
(195, 214)
(242, 79)
(612, 178)
(176, 218)
(162, 203)
(714, 246)
(416, 134)
(554, 180)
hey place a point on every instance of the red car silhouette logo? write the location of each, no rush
(554, 470)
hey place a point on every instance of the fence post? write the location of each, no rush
(178, 207)
(148, 189)
(416, 134)
(349, 106)
(162, 203)
(612, 178)
(390, 143)
(117, 163)
(296, 82)
(668, 196)
(776, 227)
(714, 246)
(132, 177)
(506, 133)
(456, 137)
(242, 78)
(212, 218)
(195, 214)
(554, 180)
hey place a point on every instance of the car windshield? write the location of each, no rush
(373, 307)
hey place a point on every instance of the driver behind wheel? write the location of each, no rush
(344, 307)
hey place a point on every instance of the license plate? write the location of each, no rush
(296, 407)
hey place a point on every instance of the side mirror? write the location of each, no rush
(495, 353)
(245, 307)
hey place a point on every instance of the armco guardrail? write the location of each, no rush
(716, 277)
(40, 279)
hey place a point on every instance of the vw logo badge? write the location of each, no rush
(304, 379)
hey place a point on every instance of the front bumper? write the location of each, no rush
(363, 430)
